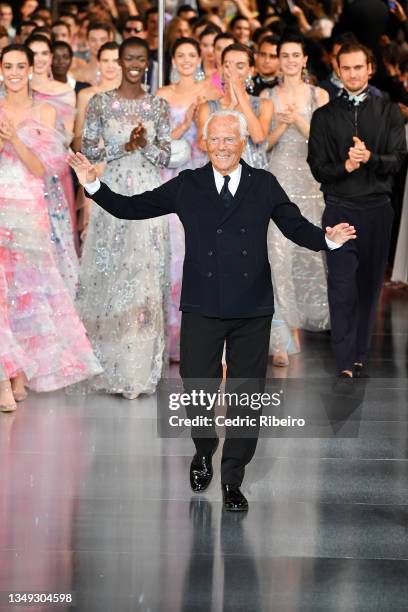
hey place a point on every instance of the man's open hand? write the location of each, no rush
(82, 167)
(341, 233)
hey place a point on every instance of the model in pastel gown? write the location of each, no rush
(43, 344)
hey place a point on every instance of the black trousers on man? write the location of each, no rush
(356, 274)
(247, 346)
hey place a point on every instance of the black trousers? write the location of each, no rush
(355, 276)
(201, 348)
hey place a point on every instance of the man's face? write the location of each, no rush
(224, 144)
(46, 15)
(97, 38)
(188, 14)
(61, 32)
(354, 71)
(242, 31)
(132, 27)
(6, 16)
(267, 61)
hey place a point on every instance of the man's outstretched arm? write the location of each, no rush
(297, 228)
(155, 203)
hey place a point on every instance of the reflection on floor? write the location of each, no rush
(95, 504)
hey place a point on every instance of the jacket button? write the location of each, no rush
(219, 231)
(245, 275)
(245, 253)
(209, 274)
(210, 253)
(243, 230)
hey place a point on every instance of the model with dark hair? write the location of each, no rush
(42, 342)
(59, 186)
(299, 276)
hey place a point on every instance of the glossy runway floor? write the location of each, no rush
(93, 503)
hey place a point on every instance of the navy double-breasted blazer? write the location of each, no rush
(226, 270)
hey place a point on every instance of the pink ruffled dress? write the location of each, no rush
(65, 113)
(40, 332)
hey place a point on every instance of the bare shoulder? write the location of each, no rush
(322, 96)
(167, 92)
(56, 88)
(62, 87)
(211, 92)
(86, 94)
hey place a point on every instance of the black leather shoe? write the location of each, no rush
(201, 470)
(234, 501)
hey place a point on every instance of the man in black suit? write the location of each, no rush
(356, 147)
(227, 296)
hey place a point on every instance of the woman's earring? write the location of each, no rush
(249, 84)
(98, 76)
(199, 73)
(145, 85)
(30, 90)
(174, 75)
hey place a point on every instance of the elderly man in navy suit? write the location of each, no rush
(227, 297)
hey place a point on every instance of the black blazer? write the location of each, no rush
(226, 270)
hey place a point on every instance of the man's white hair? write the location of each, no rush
(239, 117)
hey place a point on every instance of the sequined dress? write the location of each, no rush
(198, 159)
(299, 275)
(255, 153)
(124, 266)
(40, 332)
